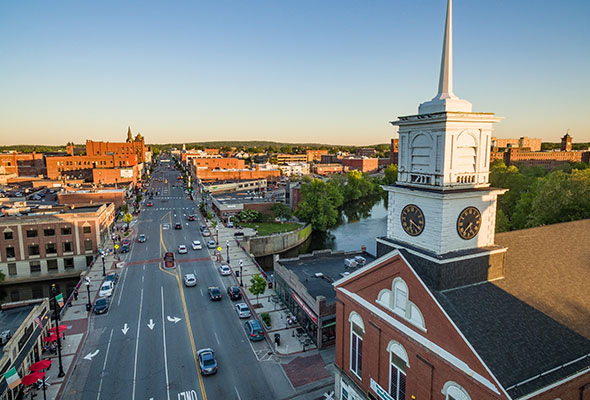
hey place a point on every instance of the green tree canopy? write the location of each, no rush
(390, 174)
(319, 203)
(281, 210)
(257, 285)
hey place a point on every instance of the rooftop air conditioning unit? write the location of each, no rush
(5, 337)
(318, 274)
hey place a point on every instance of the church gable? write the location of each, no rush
(393, 292)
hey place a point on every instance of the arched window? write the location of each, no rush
(357, 330)
(454, 391)
(421, 149)
(397, 300)
(398, 366)
(400, 295)
(466, 152)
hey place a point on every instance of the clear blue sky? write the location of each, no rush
(293, 71)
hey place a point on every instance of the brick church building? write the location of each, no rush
(450, 310)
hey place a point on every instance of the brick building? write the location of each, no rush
(365, 152)
(133, 146)
(115, 196)
(523, 142)
(115, 176)
(217, 163)
(51, 241)
(327, 169)
(283, 158)
(298, 169)
(237, 174)
(361, 164)
(393, 151)
(81, 166)
(545, 159)
(315, 155)
(23, 164)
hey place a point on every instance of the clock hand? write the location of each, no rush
(468, 226)
(413, 223)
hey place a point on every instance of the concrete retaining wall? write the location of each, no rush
(274, 244)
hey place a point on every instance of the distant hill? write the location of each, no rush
(257, 143)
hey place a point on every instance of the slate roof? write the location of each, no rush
(531, 328)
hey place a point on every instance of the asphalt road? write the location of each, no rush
(145, 346)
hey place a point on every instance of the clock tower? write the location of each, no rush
(442, 209)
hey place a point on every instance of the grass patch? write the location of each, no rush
(268, 228)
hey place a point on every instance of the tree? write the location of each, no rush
(127, 218)
(390, 174)
(319, 203)
(281, 210)
(257, 285)
(249, 215)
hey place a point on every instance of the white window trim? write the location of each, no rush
(356, 319)
(453, 385)
(392, 346)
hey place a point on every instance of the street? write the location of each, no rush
(145, 346)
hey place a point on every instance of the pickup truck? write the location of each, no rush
(169, 260)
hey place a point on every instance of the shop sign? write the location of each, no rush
(305, 308)
(382, 393)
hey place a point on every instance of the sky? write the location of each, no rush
(333, 72)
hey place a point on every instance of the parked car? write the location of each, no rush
(106, 290)
(206, 233)
(190, 280)
(207, 361)
(112, 277)
(239, 235)
(211, 244)
(254, 330)
(203, 227)
(196, 245)
(230, 224)
(178, 225)
(124, 249)
(101, 305)
(150, 203)
(243, 310)
(225, 270)
(126, 242)
(182, 249)
(141, 238)
(234, 293)
(214, 293)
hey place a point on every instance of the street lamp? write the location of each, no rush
(87, 283)
(241, 281)
(103, 268)
(227, 247)
(217, 234)
(56, 314)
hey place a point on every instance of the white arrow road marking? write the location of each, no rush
(125, 329)
(89, 356)
(151, 324)
(173, 319)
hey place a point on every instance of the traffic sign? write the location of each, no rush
(219, 249)
(116, 247)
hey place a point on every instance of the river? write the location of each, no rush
(359, 225)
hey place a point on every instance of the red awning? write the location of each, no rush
(306, 308)
(32, 378)
(39, 365)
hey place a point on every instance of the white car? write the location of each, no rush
(243, 310)
(106, 290)
(225, 270)
(197, 245)
(182, 249)
(190, 280)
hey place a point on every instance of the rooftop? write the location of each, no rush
(329, 263)
(12, 318)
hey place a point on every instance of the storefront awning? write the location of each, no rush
(305, 308)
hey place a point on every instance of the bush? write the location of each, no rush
(266, 318)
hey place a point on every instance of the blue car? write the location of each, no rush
(254, 330)
(207, 361)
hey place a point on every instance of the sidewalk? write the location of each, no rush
(76, 319)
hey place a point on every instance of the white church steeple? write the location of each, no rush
(445, 99)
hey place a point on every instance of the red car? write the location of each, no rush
(191, 217)
(149, 204)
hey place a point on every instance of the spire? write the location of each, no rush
(129, 136)
(445, 99)
(445, 82)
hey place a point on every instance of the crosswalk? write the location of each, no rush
(166, 208)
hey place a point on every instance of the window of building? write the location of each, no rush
(68, 263)
(66, 247)
(10, 252)
(454, 391)
(397, 300)
(89, 260)
(35, 267)
(88, 245)
(8, 235)
(398, 365)
(50, 248)
(34, 250)
(11, 269)
(31, 233)
(357, 329)
(86, 229)
(66, 230)
(52, 265)
(49, 232)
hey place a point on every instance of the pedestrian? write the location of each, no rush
(76, 294)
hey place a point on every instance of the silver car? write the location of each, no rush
(243, 310)
(190, 280)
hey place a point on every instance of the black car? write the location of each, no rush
(101, 305)
(234, 292)
(178, 225)
(124, 249)
(214, 293)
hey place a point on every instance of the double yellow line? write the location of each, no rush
(186, 316)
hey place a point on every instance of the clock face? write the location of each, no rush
(412, 219)
(468, 223)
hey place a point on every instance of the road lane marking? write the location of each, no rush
(237, 393)
(90, 356)
(173, 319)
(125, 329)
(151, 324)
(216, 338)
(137, 343)
(104, 366)
(164, 339)
(121, 290)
